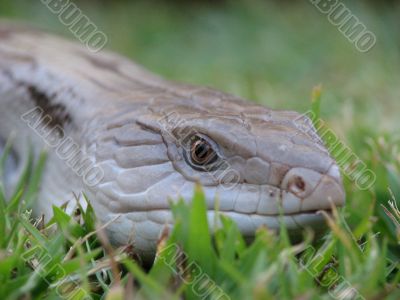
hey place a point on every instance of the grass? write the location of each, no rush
(273, 53)
(70, 258)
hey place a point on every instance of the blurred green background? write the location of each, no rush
(272, 52)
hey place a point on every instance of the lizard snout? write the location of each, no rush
(315, 190)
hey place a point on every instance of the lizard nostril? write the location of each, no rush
(297, 185)
(301, 182)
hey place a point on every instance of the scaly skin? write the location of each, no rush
(133, 126)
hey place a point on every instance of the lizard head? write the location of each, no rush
(259, 163)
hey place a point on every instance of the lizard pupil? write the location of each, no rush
(202, 152)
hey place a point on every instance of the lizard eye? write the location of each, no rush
(202, 152)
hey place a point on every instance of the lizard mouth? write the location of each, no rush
(294, 222)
